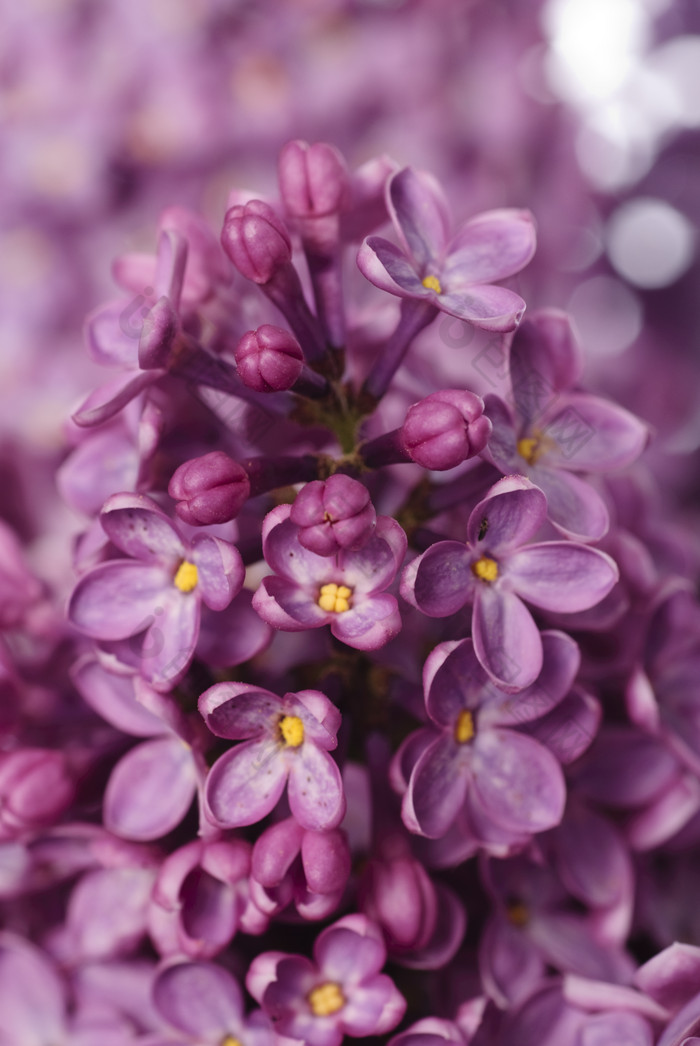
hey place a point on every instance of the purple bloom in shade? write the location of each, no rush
(152, 601)
(151, 788)
(496, 570)
(200, 899)
(551, 433)
(453, 273)
(333, 515)
(210, 489)
(294, 865)
(474, 753)
(341, 992)
(345, 591)
(535, 924)
(205, 1004)
(431, 1031)
(284, 739)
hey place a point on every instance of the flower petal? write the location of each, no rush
(220, 570)
(440, 581)
(315, 790)
(370, 624)
(573, 506)
(561, 575)
(388, 268)
(491, 247)
(201, 999)
(245, 784)
(118, 599)
(437, 786)
(420, 212)
(511, 513)
(150, 789)
(518, 780)
(136, 525)
(485, 306)
(591, 435)
(506, 639)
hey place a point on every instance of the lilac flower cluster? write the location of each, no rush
(372, 711)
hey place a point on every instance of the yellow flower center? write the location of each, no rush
(518, 914)
(432, 283)
(231, 1041)
(326, 999)
(485, 569)
(186, 577)
(334, 599)
(464, 727)
(292, 730)
(531, 448)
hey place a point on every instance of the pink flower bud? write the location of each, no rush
(313, 179)
(445, 429)
(333, 515)
(269, 359)
(36, 786)
(256, 240)
(210, 489)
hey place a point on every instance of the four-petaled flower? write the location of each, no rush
(453, 273)
(284, 738)
(496, 570)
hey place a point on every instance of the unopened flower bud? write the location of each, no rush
(210, 489)
(313, 179)
(400, 896)
(269, 359)
(256, 240)
(333, 514)
(445, 429)
(36, 786)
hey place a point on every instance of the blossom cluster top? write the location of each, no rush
(373, 666)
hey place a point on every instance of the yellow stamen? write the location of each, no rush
(486, 569)
(334, 599)
(464, 727)
(231, 1041)
(292, 730)
(326, 999)
(432, 283)
(530, 449)
(186, 577)
(518, 914)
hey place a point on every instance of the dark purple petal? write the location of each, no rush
(315, 791)
(501, 449)
(510, 964)
(150, 789)
(518, 780)
(453, 679)
(506, 639)
(511, 513)
(239, 711)
(234, 635)
(544, 360)
(437, 787)
(569, 729)
(487, 307)
(137, 526)
(420, 212)
(388, 268)
(287, 606)
(561, 575)
(491, 247)
(561, 660)
(440, 581)
(245, 783)
(200, 999)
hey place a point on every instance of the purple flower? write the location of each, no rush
(341, 992)
(496, 570)
(205, 1004)
(284, 739)
(345, 591)
(475, 756)
(153, 600)
(453, 273)
(210, 489)
(552, 433)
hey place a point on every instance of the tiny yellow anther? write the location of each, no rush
(485, 569)
(518, 914)
(326, 999)
(432, 283)
(334, 599)
(230, 1040)
(529, 448)
(292, 730)
(186, 577)
(464, 727)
